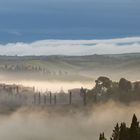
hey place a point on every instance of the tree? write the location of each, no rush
(103, 81)
(123, 132)
(102, 137)
(125, 85)
(134, 129)
(137, 86)
(116, 133)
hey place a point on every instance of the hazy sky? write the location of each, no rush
(30, 20)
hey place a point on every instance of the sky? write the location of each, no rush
(31, 20)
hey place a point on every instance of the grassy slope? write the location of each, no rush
(83, 66)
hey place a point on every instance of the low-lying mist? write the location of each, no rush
(65, 123)
(54, 86)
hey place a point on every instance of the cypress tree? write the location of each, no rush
(134, 129)
(102, 137)
(116, 133)
(123, 132)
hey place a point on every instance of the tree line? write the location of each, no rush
(123, 90)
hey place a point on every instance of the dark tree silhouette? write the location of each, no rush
(123, 132)
(134, 129)
(116, 131)
(102, 137)
(125, 85)
(103, 81)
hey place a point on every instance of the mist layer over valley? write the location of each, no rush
(65, 123)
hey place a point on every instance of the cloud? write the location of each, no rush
(72, 47)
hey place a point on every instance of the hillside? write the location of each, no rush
(72, 67)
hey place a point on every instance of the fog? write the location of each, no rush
(72, 47)
(65, 123)
(54, 86)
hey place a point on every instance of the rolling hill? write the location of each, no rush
(72, 67)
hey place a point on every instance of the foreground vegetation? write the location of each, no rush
(122, 132)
